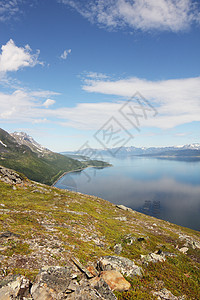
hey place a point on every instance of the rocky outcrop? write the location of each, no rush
(124, 265)
(10, 177)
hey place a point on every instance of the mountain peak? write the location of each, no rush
(24, 139)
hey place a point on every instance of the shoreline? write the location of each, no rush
(78, 170)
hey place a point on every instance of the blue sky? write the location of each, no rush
(101, 73)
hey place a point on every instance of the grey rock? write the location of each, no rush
(8, 234)
(153, 257)
(118, 248)
(124, 208)
(10, 177)
(121, 218)
(165, 294)
(16, 288)
(124, 265)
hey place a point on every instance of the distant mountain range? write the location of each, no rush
(184, 150)
(22, 153)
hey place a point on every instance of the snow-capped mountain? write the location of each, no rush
(186, 150)
(23, 138)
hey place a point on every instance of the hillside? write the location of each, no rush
(24, 155)
(85, 247)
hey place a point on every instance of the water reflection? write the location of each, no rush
(164, 189)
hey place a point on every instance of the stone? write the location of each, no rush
(82, 268)
(121, 218)
(118, 248)
(8, 234)
(17, 287)
(115, 280)
(184, 250)
(165, 294)
(124, 265)
(123, 207)
(51, 283)
(152, 257)
(10, 177)
(103, 289)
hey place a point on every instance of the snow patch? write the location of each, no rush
(3, 144)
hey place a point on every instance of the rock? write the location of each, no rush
(115, 280)
(184, 250)
(92, 270)
(10, 177)
(189, 241)
(51, 283)
(118, 248)
(124, 265)
(82, 268)
(121, 218)
(8, 234)
(17, 287)
(152, 257)
(124, 208)
(103, 289)
(165, 294)
(129, 239)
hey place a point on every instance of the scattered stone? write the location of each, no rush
(10, 177)
(8, 234)
(184, 250)
(153, 257)
(121, 218)
(115, 280)
(129, 239)
(189, 241)
(118, 248)
(165, 294)
(124, 265)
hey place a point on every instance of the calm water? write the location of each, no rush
(166, 189)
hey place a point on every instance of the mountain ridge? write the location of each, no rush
(45, 167)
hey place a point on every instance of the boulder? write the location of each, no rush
(14, 287)
(115, 280)
(124, 265)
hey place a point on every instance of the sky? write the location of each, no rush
(100, 73)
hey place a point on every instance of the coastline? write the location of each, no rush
(78, 170)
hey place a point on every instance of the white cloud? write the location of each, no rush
(177, 102)
(145, 15)
(65, 53)
(14, 58)
(48, 103)
(8, 9)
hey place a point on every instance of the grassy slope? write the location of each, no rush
(54, 224)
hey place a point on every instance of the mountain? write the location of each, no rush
(21, 153)
(192, 149)
(24, 139)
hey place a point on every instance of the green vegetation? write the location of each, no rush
(45, 169)
(55, 224)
